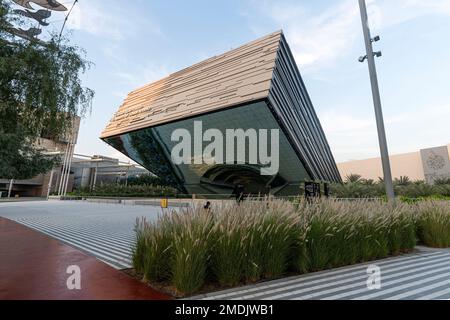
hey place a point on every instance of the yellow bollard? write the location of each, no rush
(164, 203)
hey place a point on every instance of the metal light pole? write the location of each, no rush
(377, 100)
(49, 186)
(10, 187)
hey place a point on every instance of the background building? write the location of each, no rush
(91, 171)
(256, 86)
(426, 164)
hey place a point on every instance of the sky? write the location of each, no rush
(132, 43)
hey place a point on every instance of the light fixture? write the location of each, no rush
(377, 38)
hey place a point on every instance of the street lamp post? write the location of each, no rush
(377, 99)
(11, 181)
(49, 186)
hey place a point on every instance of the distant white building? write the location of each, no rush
(426, 164)
(92, 171)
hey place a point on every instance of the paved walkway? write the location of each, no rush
(102, 230)
(424, 275)
(33, 266)
(105, 231)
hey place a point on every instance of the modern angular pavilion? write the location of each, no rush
(256, 86)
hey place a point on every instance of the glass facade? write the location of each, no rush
(152, 149)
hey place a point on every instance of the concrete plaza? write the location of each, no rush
(105, 231)
(101, 230)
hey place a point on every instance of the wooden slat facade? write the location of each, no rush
(236, 77)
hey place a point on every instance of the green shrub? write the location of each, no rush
(403, 187)
(148, 180)
(114, 190)
(433, 223)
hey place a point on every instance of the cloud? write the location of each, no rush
(355, 137)
(131, 80)
(145, 74)
(318, 40)
(112, 21)
(90, 18)
(350, 137)
(396, 12)
(417, 129)
(113, 153)
(315, 38)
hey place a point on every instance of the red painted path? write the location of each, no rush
(33, 267)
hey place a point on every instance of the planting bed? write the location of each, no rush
(196, 250)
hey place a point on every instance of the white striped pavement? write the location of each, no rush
(422, 275)
(312, 279)
(441, 294)
(102, 230)
(106, 232)
(104, 250)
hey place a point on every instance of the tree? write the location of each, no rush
(147, 179)
(19, 159)
(442, 181)
(40, 93)
(367, 182)
(402, 181)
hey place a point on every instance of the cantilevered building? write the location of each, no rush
(256, 86)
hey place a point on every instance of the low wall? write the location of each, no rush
(174, 203)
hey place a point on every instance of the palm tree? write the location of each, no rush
(442, 181)
(368, 182)
(402, 181)
(353, 178)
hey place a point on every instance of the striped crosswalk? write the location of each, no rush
(422, 275)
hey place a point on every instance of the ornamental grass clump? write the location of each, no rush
(281, 230)
(433, 223)
(343, 233)
(139, 249)
(229, 244)
(152, 252)
(229, 251)
(400, 228)
(253, 241)
(191, 248)
(272, 228)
